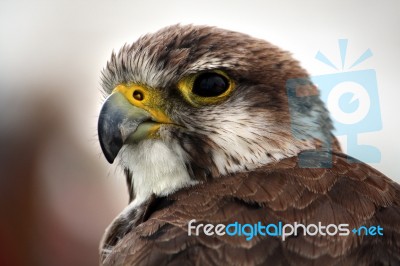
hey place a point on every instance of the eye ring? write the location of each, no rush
(210, 84)
(206, 88)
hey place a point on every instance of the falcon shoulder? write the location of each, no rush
(351, 193)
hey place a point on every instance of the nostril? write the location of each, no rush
(138, 95)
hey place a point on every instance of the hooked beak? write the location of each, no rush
(119, 121)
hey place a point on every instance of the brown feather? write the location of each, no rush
(346, 193)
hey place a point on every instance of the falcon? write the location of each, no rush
(218, 150)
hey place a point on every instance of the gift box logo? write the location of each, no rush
(352, 99)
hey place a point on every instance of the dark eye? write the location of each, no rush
(210, 85)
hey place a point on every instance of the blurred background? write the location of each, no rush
(57, 192)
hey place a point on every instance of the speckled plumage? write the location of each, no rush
(225, 156)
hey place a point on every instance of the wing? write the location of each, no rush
(350, 193)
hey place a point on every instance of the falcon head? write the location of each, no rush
(189, 103)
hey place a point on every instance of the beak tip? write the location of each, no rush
(111, 151)
(110, 160)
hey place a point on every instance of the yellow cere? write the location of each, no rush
(185, 85)
(146, 98)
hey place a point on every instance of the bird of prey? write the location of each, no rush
(198, 118)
